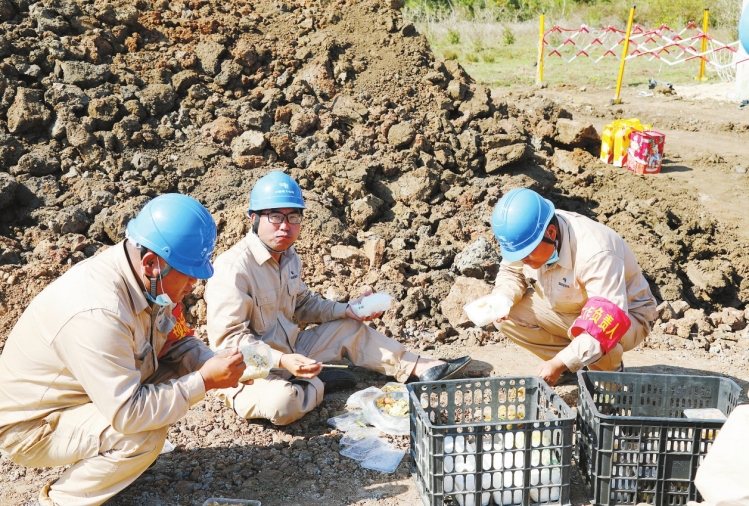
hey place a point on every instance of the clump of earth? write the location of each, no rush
(401, 157)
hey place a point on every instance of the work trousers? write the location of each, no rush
(535, 326)
(103, 460)
(282, 401)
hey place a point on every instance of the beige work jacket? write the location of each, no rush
(87, 337)
(253, 297)
(593, 261)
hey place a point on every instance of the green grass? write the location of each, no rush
(495, 59)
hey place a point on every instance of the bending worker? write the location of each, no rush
(93, 374)
(579, 296)
(258, 294)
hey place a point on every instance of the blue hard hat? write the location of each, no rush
(744, 29)
(276, 190)
(178, 229)
(519, 221)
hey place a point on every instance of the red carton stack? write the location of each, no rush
(645, 153)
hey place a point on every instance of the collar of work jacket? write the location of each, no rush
(261, 253)
(138, 298)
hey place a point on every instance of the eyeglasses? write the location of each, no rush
(277, 217)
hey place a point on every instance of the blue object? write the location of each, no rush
(519, 221)
(178, 229)
(744, 29)
(276, 190)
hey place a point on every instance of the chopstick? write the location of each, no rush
(335, 366)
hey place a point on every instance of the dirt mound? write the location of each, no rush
(401, 157)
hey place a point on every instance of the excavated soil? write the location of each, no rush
(105, 104)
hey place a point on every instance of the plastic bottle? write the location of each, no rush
(372, 304)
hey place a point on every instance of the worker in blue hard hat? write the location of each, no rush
(579, 296)
(97, 369)
(258, 295)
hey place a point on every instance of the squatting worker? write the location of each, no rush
(258, 294)
(92, 374)
(579, 296)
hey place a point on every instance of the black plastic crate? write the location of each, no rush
(507, 439)
(634, 444)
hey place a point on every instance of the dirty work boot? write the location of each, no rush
(336, 380)
(451, 368)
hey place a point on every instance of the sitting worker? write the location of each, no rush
(721, 477)
(92, 374)
(579, 296)
(258, 294)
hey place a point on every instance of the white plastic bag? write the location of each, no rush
(348, 421)
(488, 308)
(395, 426)
(354, 400)
(371, 304)
(258, 359)
(385, 460)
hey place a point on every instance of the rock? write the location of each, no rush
(401, 134)
(38, 191)
(348, 254)
(7, 12)
(104, 111)
(733, 318)
(365, 209)
(244, 53)
(478, 260)
(418, 184)
(500, 140)
(39, 162)
(157, 98)
(71, 221)
(497, 159)
(302, 122)
(8, 187)
(348, 111)
(68, 96)
(478, 103)
(434, 255)
(221, 130)
(283, 145)
(109, 224)
(250, 142)
(28, 112)
(679, 307)
(566, 161)
(456, 89)
(374, 248)
(181, 81)
(10, 253)
(665, 312)
(11, 151)
(78, 136)
(463, 291)
(189, 166)
(209, 57)
(394, 4)
(573, 133)
(229, 71)
(85, 75)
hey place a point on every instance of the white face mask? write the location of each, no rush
(165, 320)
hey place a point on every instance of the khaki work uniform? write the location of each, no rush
(82, 385)
(253, 297)
(593, 261)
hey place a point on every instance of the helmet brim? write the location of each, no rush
(204, 271)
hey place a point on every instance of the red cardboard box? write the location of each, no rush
(646, 144)
(650, 166)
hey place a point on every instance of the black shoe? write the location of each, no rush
(336, 380)
(450, 369)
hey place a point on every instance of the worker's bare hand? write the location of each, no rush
(550, 370)
(350, 312)
(223, 370)
(301, 366)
